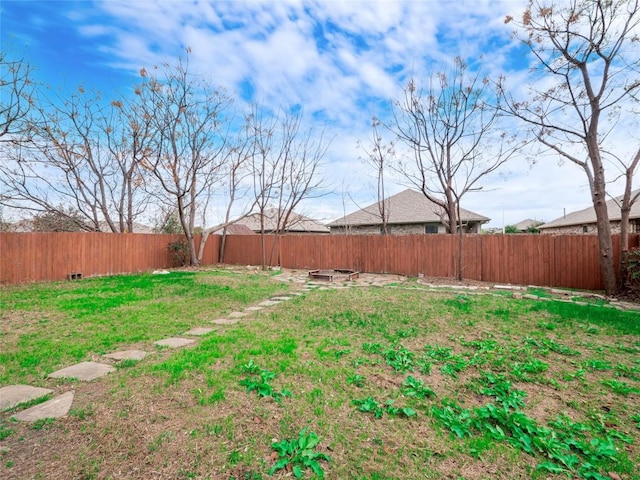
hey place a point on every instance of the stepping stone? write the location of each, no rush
(507, 287)
(237, 315)
(15, 394)
(268, 303)
(280, 299)
(127, 355)
(174, 342)
(224, 321)
(84, 371)
(253, 309)
(54, 408)
(199, 331)
(297, 294)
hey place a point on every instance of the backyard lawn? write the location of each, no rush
(394, 382)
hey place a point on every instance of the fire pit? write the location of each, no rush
(336, 274)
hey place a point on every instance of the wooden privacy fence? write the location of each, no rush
(569, 261)
(34, 257)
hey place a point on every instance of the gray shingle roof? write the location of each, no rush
(587, 215)
(297, 223)
(235, 229)
(525, 224)
(405, 207)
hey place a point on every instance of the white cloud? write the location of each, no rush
(365, 54)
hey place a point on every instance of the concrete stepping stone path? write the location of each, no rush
(253, 309)
(85, 371)
(127, 355)
(268, 303)
(198, 331)
(54, 408)
(16, 394)
(175, 342)
(225, 321)
(237, 315)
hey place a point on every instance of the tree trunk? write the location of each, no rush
(203, 242)
(605, 241)
(223, 244)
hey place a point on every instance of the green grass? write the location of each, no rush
(48, 326)
(393, 383)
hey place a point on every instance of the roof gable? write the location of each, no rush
(296, 222)
(408, 206)
(587, 215)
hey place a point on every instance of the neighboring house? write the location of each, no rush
(296, 224)
(584, 221)
(408, 212)
(234, 229)
(526, 225)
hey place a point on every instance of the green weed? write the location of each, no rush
(417, 389)
(371, 405)
(43, 423)
(621, 388)
(5, 431)
(298, 454)
(356, 380)
(259, 382)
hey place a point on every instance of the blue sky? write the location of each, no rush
(340, 61)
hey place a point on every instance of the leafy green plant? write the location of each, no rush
(296, 454)
(630, 372)
(394, 411)
(371, 405)
(5, 431)
(259, 382)
(636, 418)
(521, 371)
(631, 266)
(457, 419)
(416, 388)
(453, 363)
(597, 365)
(179, 252)
(399, 358)
(43, 423)
(578, 374)
(621, 388)
(355, 379)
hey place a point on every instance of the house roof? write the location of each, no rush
(235, 229)
(297, 223)
(405, 207)
(528, 223)
(587, 215)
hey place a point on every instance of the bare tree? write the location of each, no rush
(236, 172)
(16, 91)
(584, 50)
(286, 163)
(451, 129)
(190, 139)
(379, 156)
(80, 157)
